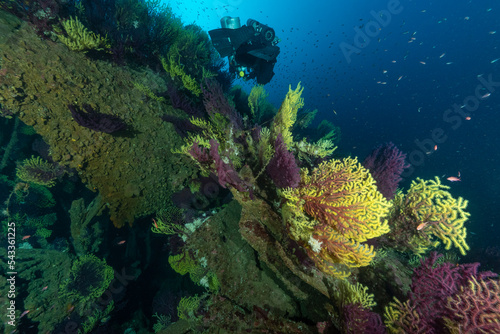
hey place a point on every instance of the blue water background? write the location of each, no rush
(457, 41)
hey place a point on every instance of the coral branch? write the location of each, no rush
(476, 308)
(468, 300)
(386, 163)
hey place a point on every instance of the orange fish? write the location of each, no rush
(435, 147)
(453, 179)
(121, 242)
(421, 226)
(424, 224)
(26, 237)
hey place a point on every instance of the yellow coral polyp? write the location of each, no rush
(80, 38)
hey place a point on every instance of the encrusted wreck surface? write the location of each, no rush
(40, 78)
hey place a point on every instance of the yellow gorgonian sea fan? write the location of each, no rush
(38, 171)
(287, 115)
(437, 214)
(256, 98)
(80, 38)
(334, 209)
(341, 194)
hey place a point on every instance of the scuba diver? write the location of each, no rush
(251, 49)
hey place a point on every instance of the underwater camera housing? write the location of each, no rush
(251, 48)
(266, 33)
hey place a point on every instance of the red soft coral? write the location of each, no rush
(386, 163)
(282, 168)
(476, 308)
